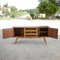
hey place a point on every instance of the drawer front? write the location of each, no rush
(30, 28)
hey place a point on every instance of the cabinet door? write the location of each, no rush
(7, 33)
(52, 32)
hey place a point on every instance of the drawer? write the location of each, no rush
(30, 33)
(30, 28)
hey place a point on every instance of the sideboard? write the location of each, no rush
(30, 32)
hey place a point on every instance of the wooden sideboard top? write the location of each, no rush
(32, 27)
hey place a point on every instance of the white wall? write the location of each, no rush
(12, 23)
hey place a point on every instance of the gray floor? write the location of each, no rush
(30, 49)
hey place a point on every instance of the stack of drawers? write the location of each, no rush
(30, 32)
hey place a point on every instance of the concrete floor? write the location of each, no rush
(30, 49)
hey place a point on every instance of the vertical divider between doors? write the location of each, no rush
(24, 32)
(36, 32)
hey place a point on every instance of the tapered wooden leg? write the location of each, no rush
(16, 40)
(45, 40)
